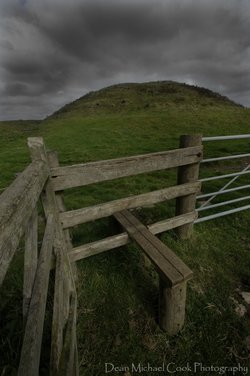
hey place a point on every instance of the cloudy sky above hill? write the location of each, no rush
(54, 51)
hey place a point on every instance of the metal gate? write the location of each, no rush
(207, 198)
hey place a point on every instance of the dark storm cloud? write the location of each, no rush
(52, 51)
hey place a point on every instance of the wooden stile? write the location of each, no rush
(170, 266)
(173, 273)
(45, 179)
(122, 239)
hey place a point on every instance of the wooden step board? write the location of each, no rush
(171, 268)
(174, 274)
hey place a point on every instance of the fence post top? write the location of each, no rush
(189, 140)
(35, 140)
(37, 148)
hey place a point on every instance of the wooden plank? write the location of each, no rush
(187, 174)
(169, 273)
(16, 206)
(172, 303)
(168, 224)
(58, 321)
(50, 205)
(67, 365)
(172, 297)
(53, 162)
(122, 239)
(48, 200)
(31, 348)
(99, 246)
(172, 258)
(93, 172)
(30, 260)
(91, 213)
(66, 285)
(76, 358)
(61, 310)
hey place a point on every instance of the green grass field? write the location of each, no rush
(118, 289)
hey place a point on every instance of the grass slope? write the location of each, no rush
(118, 289)
(152, 96)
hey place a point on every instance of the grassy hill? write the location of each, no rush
(99, 125)
(118, 290)
(152, 96)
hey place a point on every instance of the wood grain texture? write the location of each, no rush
(172, 302)
(91, 213)
(50, 204)
(68, 359)
(64, 285)
(122, 239)
(93, 172)
(58, 321)
(17, 203)
(30, 260)
(171, 267)
(65, 281)
(173, 273)
(187, 174)
(54, 162)
(168, 224)
(31, 348)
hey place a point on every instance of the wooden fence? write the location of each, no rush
(43, 181)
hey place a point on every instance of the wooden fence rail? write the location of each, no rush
(43, 181)
(96, 172)
(16, 207)
(75, 217)
(115, 241)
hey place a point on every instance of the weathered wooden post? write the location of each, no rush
(30, 260)
(54, 162)
(172, 302)
(63, 347)
(172, 299)
(173, 273)
(187, 174)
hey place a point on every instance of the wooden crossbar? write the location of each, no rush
(119, 240)
(170, 266)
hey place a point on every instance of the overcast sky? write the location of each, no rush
(54, 51)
